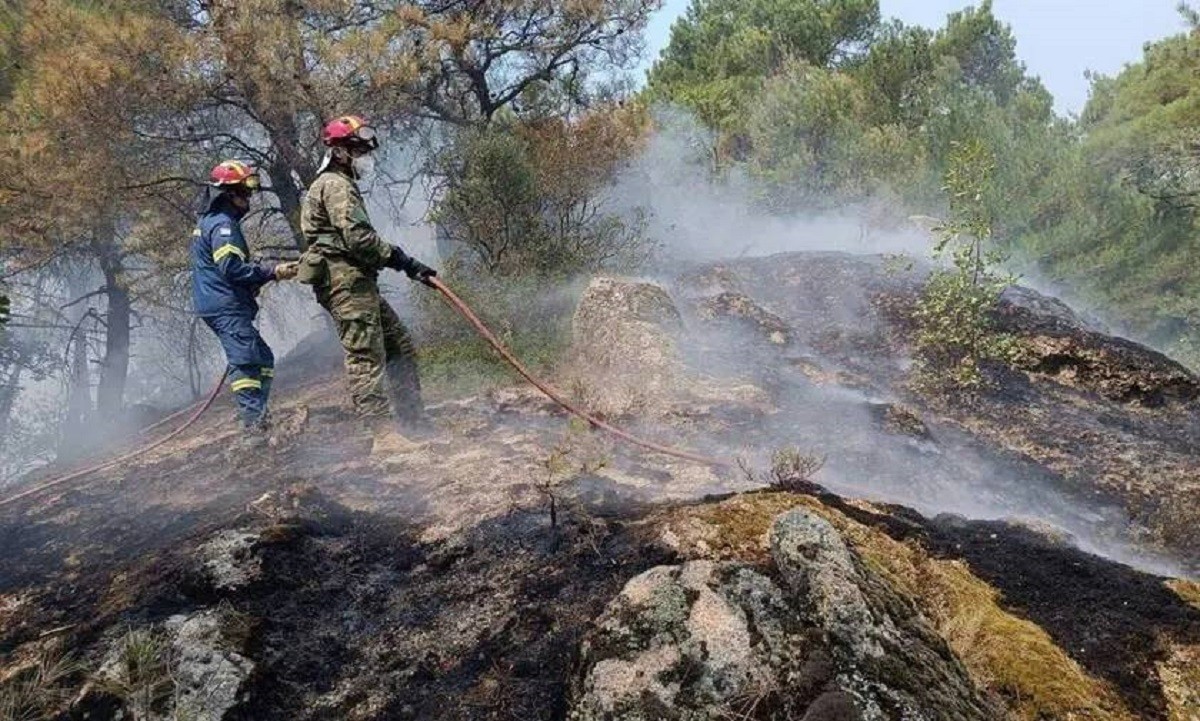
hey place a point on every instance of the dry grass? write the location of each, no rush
(1187, 590)
(38, 689)
(1180, 675)
(141, 676)
(1011, 656)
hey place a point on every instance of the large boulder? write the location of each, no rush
(623, 346)
(823, 638)
(626, 359)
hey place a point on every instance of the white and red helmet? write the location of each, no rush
(230, 174)
(350, 131)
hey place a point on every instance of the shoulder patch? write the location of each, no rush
(225, 231)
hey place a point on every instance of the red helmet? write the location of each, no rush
(234, 173)
(349, 130)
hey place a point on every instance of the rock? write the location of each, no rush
(889, 655)
(188, 667)
(298, 505)
(739, 307)
(698, 641)
(209, 672)
(625, 358)
(229, 561)
(1060, 345)
(710, 640)
(623, 347)
(1047, 312)
(819, 568)
(899, 420)
(1180, 674)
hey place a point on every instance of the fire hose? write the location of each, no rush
(76, 475)
(465, 311)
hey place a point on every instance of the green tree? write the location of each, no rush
(527, 198)
(813, 145)
(897, 75)
(721, 50)
(1121, 224)
(984, 49)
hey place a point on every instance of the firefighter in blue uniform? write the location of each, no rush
(224, 286)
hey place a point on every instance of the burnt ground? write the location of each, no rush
(483, 631)
(429, 585)
(354, 618)
(1110, 618)
(1090, 432)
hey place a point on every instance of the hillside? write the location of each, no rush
(1023, 556)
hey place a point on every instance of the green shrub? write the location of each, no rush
(955, 330)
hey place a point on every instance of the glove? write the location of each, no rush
(398, 260)
(419, 272)
(286, 271)
(413, 268)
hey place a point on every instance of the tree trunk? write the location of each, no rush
(74, 437)
(288, 193)
(8, 397)
(114, 371)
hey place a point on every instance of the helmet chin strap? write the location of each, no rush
(339, 155)
(325, 161)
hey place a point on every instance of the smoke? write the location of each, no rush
(699, 219)
(702, 219)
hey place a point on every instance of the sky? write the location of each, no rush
(1058, 40)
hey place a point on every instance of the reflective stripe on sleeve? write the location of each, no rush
(267, 372)
(227, 249)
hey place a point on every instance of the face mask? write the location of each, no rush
(364, 166)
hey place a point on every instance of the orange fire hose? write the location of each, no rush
(465, 311)
(212, 397)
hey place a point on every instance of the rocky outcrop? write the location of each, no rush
(821, 639)
(1060, 345)
(1097, 419)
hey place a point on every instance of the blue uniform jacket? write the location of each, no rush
(224, 281)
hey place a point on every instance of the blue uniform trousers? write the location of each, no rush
(251, 364)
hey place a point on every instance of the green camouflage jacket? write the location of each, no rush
(334, 221)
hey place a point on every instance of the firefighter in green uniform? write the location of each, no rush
(342, 261)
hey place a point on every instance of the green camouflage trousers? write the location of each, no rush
(381, 364)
